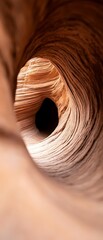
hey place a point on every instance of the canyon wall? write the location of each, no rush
(51, 177)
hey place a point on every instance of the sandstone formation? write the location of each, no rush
(52, 61)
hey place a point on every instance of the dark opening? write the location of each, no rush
(46, 119)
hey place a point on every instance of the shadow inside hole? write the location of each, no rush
(46, 119)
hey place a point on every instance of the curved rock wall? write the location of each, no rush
(64, 40)
(74, 146)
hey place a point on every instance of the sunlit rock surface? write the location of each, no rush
(71, 148)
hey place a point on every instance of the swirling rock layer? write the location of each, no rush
(64, 40)
(70, 152)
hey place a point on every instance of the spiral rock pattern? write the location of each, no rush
(56, 49)
(73, 152)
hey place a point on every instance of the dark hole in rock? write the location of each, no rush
(46, 119)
